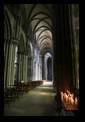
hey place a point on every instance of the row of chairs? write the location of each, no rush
(15, 91)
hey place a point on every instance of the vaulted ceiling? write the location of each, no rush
(37, 18)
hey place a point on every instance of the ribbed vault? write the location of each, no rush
(39, 22)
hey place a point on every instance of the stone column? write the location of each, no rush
(31, 69)
(22, 70)
(62, 48)
(20, 65)
(18, 78)
(43, 68)
(40, 68)
(40, 72)
(9, 65)
(36, 77)
(45, 73)
(73, 33)
(23, 67)
(6, 62)
(31, 78)
(13, 61)
(34, 73)
(26, 69)
(37, 71)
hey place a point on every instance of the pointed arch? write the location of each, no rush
(7, 26)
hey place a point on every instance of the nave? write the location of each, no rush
(37, 102)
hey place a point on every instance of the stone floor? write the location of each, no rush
(38, 102)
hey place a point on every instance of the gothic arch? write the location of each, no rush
(7, 26)
(49, 68)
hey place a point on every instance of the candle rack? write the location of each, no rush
(69, 101)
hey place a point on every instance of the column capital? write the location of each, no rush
(14, 41)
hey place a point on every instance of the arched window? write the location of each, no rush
(48, 66)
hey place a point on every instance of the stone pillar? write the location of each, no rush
(73, 46)
(43, 69)
(40, 67)
(52, 69)
(10, 61)
(62, 48)
(26, 68)
(32, 69)
(9, 65)
(40, 72)
(19, 67)
(29, 69)
(6, 62)
(13, 63)
(36, 73)
(23, 67)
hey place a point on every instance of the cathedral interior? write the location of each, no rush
(41, 59)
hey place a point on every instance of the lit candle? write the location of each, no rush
(72, 95)
(68, 92)
(66, 98)
(69, 98)
(62, 96)
(72, 101)
(76, 101)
